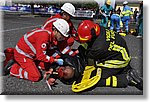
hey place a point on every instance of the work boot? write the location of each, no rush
(6, 70)
(134, 79)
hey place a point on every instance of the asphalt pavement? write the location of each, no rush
(15, 26)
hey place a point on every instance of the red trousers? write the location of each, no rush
(25, 68)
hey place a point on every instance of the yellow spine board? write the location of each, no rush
(86, 81)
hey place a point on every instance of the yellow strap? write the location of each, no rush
(114, 81)
(108, 81)
(87, 72)
(85, 84)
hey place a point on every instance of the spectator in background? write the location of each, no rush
(105, 11)
(126, 14)
(132, 9)
(140, 21)
(119, 10)
(135, 14)
(137, 17)
(125, 6)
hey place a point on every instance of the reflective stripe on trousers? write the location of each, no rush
(20, 75)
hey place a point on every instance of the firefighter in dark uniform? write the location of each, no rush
(111, 59)
(103, 61)
(110, 56)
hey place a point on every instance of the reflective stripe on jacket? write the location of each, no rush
(34, 45)
(127, 13)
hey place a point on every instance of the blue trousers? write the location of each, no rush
(115, 20)
(125, 21)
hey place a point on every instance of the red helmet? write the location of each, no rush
(84, 30)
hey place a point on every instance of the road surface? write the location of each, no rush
(17, 25)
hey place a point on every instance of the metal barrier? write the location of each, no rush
(84, 13)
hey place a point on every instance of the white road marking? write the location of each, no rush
(19, 28)
(49, 86)
(135, 57)
(19, 22)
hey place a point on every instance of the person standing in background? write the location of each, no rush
(105, 11)
(126, 15)
(140, 21)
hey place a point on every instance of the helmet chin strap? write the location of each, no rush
(93, 33)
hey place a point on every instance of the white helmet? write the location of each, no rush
(125, 2)
(69, 8)
(62, 26)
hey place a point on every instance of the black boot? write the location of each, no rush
(134, 79)
(6, 70)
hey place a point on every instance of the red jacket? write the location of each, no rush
(64, 46)
(49, 22)
(34, 45)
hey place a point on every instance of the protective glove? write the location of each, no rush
(104, 14)
(60, 61)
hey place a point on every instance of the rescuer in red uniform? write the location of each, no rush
(68, 11)
(33, 46)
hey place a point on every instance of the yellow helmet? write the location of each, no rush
(108, 2)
